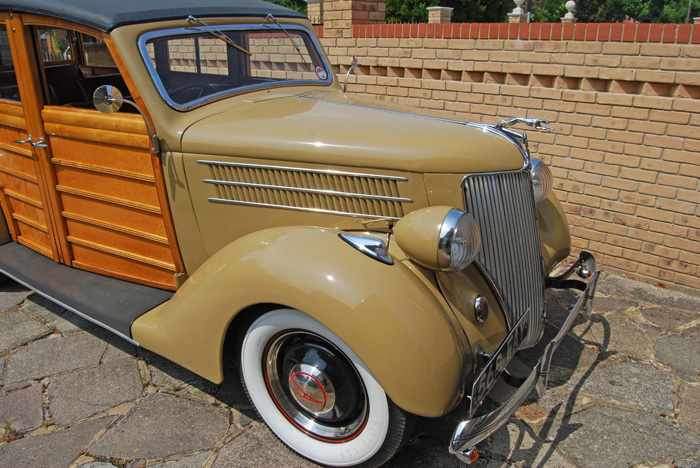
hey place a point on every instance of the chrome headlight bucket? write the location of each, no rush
(460, 241)
(542, 180)
(439, 237)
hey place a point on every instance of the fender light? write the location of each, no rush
(439, 237)
(542, 181)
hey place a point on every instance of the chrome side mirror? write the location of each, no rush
(108, 100)
(353, 64)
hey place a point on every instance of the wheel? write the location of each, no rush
(316, 395)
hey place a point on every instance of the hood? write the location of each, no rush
(333, 129)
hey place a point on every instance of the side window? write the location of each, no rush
(96, 53)
(57, 45)
(74, 65)
(8, 79)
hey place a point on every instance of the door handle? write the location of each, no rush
(28, 140)
(38, 144)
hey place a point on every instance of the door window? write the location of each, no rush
(8, 78)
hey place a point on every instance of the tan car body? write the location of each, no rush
(400, 319)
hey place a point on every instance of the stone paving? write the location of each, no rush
(624, 391)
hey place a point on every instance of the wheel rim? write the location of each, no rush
(315, 386)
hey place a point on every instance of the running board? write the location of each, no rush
(111, 303)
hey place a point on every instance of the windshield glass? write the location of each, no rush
(193, 66)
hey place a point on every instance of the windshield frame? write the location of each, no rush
(144, 38)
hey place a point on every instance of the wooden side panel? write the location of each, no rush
(111, 206)
(21, 195)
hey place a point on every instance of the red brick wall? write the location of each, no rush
(624, 100)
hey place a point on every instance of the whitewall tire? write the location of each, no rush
(316, 394)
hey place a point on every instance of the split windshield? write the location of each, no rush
(193, 66)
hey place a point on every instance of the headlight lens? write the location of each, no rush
(460, 241)
(542, 180)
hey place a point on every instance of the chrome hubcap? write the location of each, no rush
(312, 389)
(315, 386)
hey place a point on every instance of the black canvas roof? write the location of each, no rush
(109, 14)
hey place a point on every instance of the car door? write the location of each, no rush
(106, 197)
(24, 191)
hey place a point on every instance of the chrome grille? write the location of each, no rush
(313, 190)
(504, 207)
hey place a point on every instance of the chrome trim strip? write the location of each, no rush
(86, 317)
(470, 432)
(295, 208)
(308, 190)
(485, 127)
(234, 91)
(301, 169)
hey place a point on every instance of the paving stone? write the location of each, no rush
(689, 414)
(668, 319)
(162, 425)
(604, 305)
(2, 369)
(257, 447)
(518, 444)
(69, 323)
(41, 308)
(11, 295)
(615, 334)
(632, 384)
(78, 394)
(692, 332)
(57, 449)
(694, 463)
(614, 285)
(53, 355)
(97, 464)
(17, 329)
(118, 349)
(427, 450)
(618, 438)
(23, 408)
(681, 353)
(192, 461)
(554, 403)
(165, 373)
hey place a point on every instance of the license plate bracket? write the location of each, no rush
(498, 362)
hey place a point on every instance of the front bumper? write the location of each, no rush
(474, 430)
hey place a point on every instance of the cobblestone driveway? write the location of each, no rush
(624, 391)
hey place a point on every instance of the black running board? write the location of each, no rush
(111, 303)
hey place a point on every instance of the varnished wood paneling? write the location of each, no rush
(88, 118)
(101, 136)
(102, 155)
(128, 244)
(22, 186)
(27, 210)
(34, 235)
(17, 162)
(132, 218)
(96, 260)
(108, 185)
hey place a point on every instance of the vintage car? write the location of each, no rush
(192, 176)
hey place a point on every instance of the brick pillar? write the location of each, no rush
(314, 10)
(439, 14)
(340, 15)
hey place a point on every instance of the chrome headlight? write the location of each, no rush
(440, 237)
(542, 181)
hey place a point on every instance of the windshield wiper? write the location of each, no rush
(218, 34)
(270, 17)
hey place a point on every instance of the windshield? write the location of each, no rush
(196, 65)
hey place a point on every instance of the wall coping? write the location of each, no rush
(591, 32)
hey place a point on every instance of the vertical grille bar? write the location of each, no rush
(504, 207)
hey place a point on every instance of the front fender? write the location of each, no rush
(385, 313)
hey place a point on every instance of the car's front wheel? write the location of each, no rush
(316, 395)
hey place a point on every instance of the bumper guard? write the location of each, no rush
(474, 430)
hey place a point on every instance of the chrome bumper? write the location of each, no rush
(472, 431)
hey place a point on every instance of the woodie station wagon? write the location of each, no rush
(193, 177)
